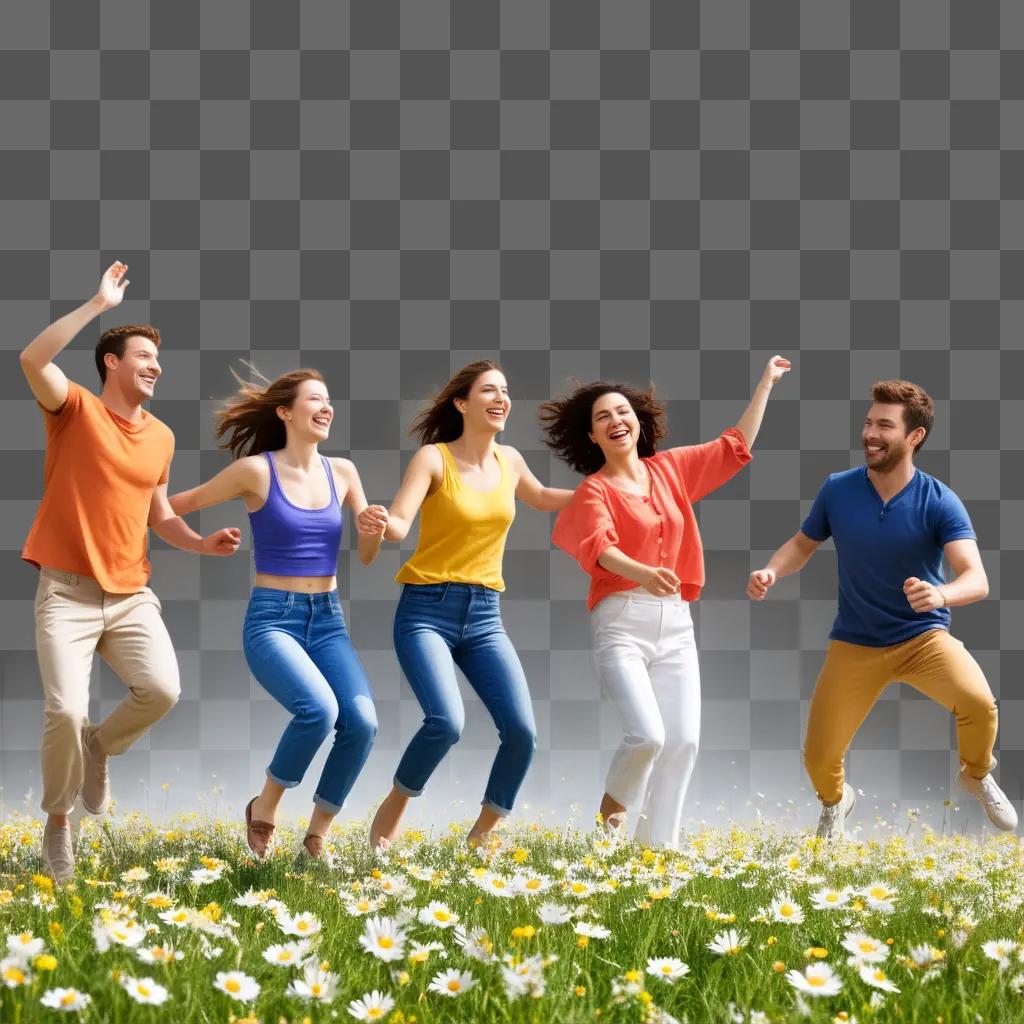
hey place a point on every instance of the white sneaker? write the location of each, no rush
(833, 819)
(987, 792)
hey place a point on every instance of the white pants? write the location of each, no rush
(646, 660)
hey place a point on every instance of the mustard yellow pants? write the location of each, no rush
(852, 679)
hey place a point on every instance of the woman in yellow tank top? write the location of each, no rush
(464, 485)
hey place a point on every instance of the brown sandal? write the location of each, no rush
(313, 846)
(257, 833)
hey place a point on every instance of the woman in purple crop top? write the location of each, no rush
(294, 636)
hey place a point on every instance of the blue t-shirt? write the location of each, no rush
(879, 545)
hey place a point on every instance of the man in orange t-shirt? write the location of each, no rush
(105, 481)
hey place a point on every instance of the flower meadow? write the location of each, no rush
(744, 925)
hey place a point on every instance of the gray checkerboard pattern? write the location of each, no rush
(665, 190)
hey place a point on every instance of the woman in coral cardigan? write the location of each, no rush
(632, 528)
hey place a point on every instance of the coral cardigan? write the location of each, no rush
(657, 530)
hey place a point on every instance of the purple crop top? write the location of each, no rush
(292, 541)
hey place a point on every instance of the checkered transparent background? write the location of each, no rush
(664, 190)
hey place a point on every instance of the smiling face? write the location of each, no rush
(310, 415)
(487, 406)
(614, 426)
(135, 373)
(885, 438)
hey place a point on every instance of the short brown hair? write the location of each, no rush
(115, 341)
(567, 423)
(918, 407)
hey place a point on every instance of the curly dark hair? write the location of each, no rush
(441, 421)
(567, 423)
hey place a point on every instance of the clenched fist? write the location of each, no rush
(760, 581)
(922, 595)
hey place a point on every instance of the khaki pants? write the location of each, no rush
(852, 679)
(75, 617)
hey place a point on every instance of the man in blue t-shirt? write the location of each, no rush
(892, 525)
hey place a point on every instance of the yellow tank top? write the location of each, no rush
(462, 531)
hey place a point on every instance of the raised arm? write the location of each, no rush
(45, 378)
(530, 490)
(355, 499)
(749, 424)
(424, 469)
(790, 558)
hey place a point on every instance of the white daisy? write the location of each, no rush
(204, 876)
(237, 985)
(451, 982)
(373, 1006)
(303, 925)
(880, 897)
(438, 915)
(667, 968)
(145, 990)
(554, 913)
(24, 946)
(315, 984)
(873, 975)
(159, 954)
(830, 899)
(383, 938)
(286, 954)
(475, 944)
(999, 950)
(14, 972)
(817, 980)
(591, 931)
(786, 911)
(67, 1000)
(419, 952)
(179, 917)
(863, 949)
(728, 943)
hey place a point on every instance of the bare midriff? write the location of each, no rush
(301, 584)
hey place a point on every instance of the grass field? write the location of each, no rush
(177, 923)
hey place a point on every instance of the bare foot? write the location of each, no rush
(387, 820)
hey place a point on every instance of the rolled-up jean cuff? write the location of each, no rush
(502, 812)
(282, 782)
(326, 805)
(405, 790)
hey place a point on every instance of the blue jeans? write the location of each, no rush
(439, 626)
(299, 651)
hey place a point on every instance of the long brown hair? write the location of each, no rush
(441, 421)
(568, 423)
(250, 418)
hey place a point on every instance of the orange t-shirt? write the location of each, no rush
(98, 482)
(659, 530)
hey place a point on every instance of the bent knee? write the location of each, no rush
(648, 744)
(521, 737)
(447, 729)
(363, 720)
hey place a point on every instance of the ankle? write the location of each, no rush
(58, 821)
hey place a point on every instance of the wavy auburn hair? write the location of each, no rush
(250, 420)
(568, 421)
(441, 421)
